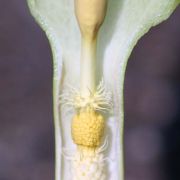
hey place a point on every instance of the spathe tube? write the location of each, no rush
(126, 21)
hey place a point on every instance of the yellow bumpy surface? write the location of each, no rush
(87, 128)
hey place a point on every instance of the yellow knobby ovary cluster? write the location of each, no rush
(87, 128)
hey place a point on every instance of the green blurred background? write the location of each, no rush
(152, 100)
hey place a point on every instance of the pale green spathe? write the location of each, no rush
(126, 21)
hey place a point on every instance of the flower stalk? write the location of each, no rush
(88, 67)
(90, 16)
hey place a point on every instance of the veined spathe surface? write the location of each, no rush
(126, 21)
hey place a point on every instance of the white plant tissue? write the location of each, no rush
(126, 21)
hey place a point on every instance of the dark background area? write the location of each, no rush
(152, 100)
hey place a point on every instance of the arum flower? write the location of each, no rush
(85, 107)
